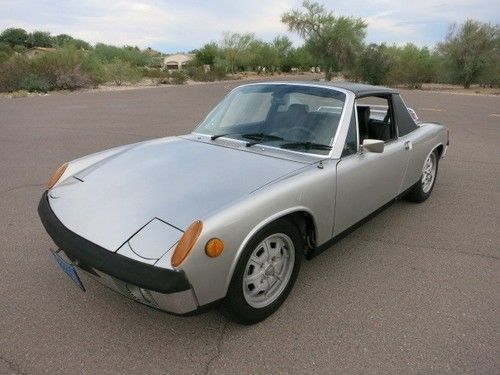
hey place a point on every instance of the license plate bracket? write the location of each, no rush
(69, 269)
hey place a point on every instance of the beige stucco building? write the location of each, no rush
(177, 61)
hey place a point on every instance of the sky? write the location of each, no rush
(184, 25)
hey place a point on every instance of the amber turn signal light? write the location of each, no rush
(186, 243)
(57, 175)
(214, 247)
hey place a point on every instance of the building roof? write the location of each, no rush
(179, 57)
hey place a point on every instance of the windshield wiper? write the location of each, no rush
(306, 145)
(260, 137)
(255, 137)
(214, 137)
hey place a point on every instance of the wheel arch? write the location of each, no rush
(439, 149)
(302, 217)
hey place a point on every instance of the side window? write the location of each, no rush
(351, 141)
(376, 119)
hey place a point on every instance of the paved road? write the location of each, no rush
(415, 290)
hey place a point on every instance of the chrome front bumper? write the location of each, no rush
(182, 302)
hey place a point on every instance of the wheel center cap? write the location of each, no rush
(269, 270)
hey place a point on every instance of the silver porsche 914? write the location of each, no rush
(275, 173)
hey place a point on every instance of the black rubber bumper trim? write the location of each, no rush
(91, 255)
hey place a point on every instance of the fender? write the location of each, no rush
(260, 226)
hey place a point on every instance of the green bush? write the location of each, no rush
(34, 83)
(119, 72)
(159, 76)
(198, 74)
(95, 69)
(374, 64)
(12, 73)
(13, 37)
(61, 69)
(72, 79)
(19, 48)
(178, 77)
(412, 66)
(470, 53)
(132, 55)
(5, 52)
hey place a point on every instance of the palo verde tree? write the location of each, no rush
(207, 54)
(235, 48)
(469, 50)
(333, 40)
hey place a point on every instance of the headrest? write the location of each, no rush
(364, 114)
(298, 109)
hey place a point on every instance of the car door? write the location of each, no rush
(366, 180)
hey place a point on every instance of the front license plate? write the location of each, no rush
(68, 269)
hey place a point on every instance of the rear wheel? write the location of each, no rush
(265, 273)
(423, 188)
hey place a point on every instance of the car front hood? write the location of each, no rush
(173, 179)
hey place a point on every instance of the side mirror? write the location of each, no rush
(373, 145)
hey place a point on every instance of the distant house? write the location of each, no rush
(177, 61)
(35, 51)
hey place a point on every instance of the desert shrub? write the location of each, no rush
(61, 69)
(490, 75)
(64, 40)
(159, 76)
(156, 62)
(39, 39)
(132, 55)
(374, 64)
(14, 36)
(12, 72)
(71, 79)
(19, 48)
(95, 69)
(412, 66)
(197, 73)
(470, 52)
(5, 52)
(178, 77)
(119, 72)
(219, 72)
(34, 83)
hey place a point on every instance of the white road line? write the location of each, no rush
(495, 115)
(432, 109)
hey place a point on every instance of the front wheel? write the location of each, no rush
(265, 273)
(423, 188)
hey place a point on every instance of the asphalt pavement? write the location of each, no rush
(414, 290)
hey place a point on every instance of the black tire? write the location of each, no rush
(235, 306)
(416, 193)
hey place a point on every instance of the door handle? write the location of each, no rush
(408, 145)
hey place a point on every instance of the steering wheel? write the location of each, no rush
(309, 135)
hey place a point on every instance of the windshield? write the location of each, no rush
(302, 118)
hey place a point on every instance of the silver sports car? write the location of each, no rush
(224, 215)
